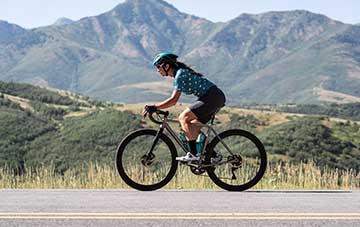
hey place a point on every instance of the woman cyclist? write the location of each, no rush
(190, 82)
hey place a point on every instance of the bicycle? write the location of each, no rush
(145, 159)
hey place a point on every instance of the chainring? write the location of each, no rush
(197, 171)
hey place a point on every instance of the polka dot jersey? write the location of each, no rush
(190, 83)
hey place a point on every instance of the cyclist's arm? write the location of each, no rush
(170, 101)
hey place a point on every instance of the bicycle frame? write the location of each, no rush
(165, 125)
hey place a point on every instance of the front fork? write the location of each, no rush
(149, 157)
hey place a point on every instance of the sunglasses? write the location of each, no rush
(159, 65)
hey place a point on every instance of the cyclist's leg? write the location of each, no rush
(202, 111)
(187, 119)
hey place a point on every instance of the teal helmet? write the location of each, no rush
(165, 57)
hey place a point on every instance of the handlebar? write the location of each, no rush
(158, 112)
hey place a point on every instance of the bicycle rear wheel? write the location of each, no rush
(142, 171)
(243, 168)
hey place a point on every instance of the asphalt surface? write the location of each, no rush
(178, 208)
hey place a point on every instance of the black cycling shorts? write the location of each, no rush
(208, 104)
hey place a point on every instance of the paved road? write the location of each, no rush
(178, 208)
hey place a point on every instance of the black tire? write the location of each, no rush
(137, 144)
(252, 152)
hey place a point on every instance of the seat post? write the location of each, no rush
(213, 116)
(212, 119)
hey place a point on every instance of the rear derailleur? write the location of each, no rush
(235, 162)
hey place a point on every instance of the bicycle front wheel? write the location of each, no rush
(243, 160)
(141, 170)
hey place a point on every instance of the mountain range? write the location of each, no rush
(274, 57)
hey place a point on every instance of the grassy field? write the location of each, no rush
(278, 176)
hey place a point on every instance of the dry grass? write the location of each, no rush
(278, 176)
(24, 103)
(159, 87)
(332, 96)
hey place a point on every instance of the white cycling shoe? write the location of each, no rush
(188, 158)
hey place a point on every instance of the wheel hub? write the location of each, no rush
(235, 161)
(147, 160)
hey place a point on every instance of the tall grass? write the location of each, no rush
(94, 176)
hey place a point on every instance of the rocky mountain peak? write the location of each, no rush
(8, 31)
(144, 10)
(9, 26)
(63, 21)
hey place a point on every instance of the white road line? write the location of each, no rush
(210, 216)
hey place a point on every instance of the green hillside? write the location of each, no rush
(36, 133)
(18, 129)
(33, 93)
(80, 140)
(308, 139)
(58, 134)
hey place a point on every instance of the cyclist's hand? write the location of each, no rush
(149, 109)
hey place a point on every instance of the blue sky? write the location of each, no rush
(35, 13)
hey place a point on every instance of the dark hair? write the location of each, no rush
(184, 66)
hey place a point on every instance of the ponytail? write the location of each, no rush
(184, 66)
